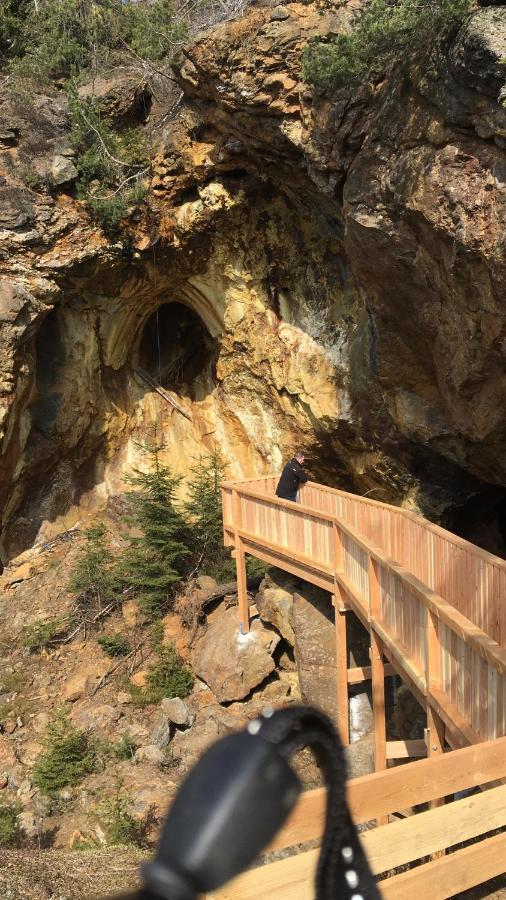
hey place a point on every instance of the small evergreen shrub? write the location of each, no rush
(93, 579)
(168, 676)
(69, 755)
(154, 562)
(9, 824)
(114, 645)
(125, 748)
(43, 632)
(119, 825)
(204, 512)
(410, 29)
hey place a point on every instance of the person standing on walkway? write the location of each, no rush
(292, 477)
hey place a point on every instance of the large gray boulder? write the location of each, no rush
(274, 602)
(231, 663)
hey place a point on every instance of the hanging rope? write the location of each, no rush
(159, 352)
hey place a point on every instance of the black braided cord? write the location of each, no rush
(343, 872)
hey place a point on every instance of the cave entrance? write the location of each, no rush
(176, 349)
(50, 359)
(482, 520)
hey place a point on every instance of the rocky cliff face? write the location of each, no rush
(324, 272)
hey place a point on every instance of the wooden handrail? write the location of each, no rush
(460, 624)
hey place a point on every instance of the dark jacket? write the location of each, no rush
(292, 477)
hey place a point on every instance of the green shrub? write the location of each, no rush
(119, 825)
(168, 676)
(410, 29)
(61, 38)
(125, 748)
(9, 824)
(114, 645)
(154, 561)
(93, 578)
(41, 633)
(204, 512)
(69, 755)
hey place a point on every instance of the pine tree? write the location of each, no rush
(204, 512)
(94, 578)
(154, 562)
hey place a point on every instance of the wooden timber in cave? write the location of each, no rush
(435, 609)
(167, 395)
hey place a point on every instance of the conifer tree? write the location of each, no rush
(153, 564)
(94, 578)
(204, 512)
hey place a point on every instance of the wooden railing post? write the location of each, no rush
(435, 737)
(377, 674)
(342, 668)
(240, 566)
(338, 550)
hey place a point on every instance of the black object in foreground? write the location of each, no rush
(238, 796)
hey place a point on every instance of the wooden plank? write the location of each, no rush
(400, 788)
(301, 558)
(281, 561)
(404, 842)
(453, 720)
(449, 875)
(342, 677)
(364, 673)
(406, 749)
(242, 588)
(287, 879)
(436, 829)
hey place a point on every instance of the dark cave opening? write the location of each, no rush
(50, 358)
(176, 348)
(482, 520)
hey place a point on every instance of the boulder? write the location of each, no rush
(212, 723)
(150, 754)
(231, 663)
(7, 757)
(315, 647)
(175, 710)
(274, 602)
(81, 682)
(63, 170)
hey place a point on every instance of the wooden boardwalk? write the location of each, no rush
(434, 604)
(435, 608)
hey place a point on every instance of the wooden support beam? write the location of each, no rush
(378, 701)
(242, 588)
(406, 749)
(342, 675)
(378, 676)
(435, 736)
(364, 673)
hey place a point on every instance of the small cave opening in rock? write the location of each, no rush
(482, 520)
(176, 350)
(49, 361)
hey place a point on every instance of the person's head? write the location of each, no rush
(299, 456)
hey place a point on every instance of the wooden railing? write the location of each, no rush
(400, 843)
(434, 603)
